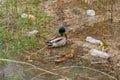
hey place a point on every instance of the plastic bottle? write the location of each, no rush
(98, 53)
(90, 12)
(92, 40)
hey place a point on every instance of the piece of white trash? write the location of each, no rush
(24, 15)
(91, 12)
(98, 53)
(95, 41)
(92, 40)
(32, 32)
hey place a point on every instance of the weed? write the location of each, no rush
(4, 54)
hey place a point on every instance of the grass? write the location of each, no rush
(12, 28)
(22, 44)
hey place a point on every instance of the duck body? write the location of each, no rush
(57, 42)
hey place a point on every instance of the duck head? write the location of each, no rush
(62, 31)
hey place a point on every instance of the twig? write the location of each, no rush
(29, 69)
(39, 50)
(20, 62)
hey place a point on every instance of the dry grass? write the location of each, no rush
(14, 37)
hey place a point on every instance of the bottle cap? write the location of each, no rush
(101, 44)
(31, 16)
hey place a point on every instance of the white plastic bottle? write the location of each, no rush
(98, 53)
(92, 40)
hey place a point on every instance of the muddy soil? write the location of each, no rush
(72, 15)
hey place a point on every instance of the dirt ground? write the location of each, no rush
(72, 15)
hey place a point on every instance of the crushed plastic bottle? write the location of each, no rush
(95, 41)
(91, 12)
(98, 53)
(32, 32)
(0, 44)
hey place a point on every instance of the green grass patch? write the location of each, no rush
(12, 38)
(22, 44)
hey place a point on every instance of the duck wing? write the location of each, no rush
(48, 41)
(56, 40)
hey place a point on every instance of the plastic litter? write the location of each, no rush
(0, 44)
(95, 41)
(101, 44)
(98, 53)
(24, 15)
(91, 12)
(32, 32)
(96, 62)
(29, 16)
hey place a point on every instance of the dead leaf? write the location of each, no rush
(65, 57)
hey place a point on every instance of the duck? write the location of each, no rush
(58, 40)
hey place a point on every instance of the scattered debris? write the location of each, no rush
(95, 52)
(94, 62)
(29, 16)
(95, 41)
(65, 57)
(32, 32)
(88, 45)
(0, 44)
(91, 12)
(24, 15)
